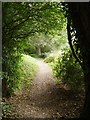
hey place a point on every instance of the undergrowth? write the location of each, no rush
(28, 70)
(67, 70)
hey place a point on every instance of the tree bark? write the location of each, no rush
(80, 15)
(86, 109)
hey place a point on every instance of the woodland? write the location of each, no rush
(57, 33)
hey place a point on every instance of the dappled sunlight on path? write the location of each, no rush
(46, 100)
(44, 78)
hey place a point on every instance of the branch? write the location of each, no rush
(28, 34)
(14, 27)
(71, 46)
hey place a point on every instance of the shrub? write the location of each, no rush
(68, 70)
(43, 55)
(28, 70)
(50, 58)
(11, 77)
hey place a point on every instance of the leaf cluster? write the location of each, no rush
(68, 70)
(20, 20)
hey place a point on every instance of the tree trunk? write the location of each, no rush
(5, 90)
(80, 15)
(86, 109)
(38, 49)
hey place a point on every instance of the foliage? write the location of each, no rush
(21, 20)
(25, 19)
(50, 58)
(28, 69)
(68, 70)
(8, 110)
(41, 43)
(13, 73)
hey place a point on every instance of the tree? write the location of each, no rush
(21, 20)
(42, 43)
(79, 14)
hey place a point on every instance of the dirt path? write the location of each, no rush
(46, 99)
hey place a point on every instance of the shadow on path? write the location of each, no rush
(47, 100)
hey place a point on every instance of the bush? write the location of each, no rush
(43, 55)
(50, 58)
(68, 70)
(34, 55)
(11, 77)
(28, 70)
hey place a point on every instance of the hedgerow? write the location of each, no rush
(68, 70)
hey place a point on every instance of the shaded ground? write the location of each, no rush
(45, 99)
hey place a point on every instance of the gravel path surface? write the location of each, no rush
(46, 99)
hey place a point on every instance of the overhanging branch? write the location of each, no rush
(71, 46)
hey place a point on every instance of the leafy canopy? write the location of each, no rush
(20, 20)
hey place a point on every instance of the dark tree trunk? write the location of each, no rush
(4, 88)
(86, 109)
(80, 15)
